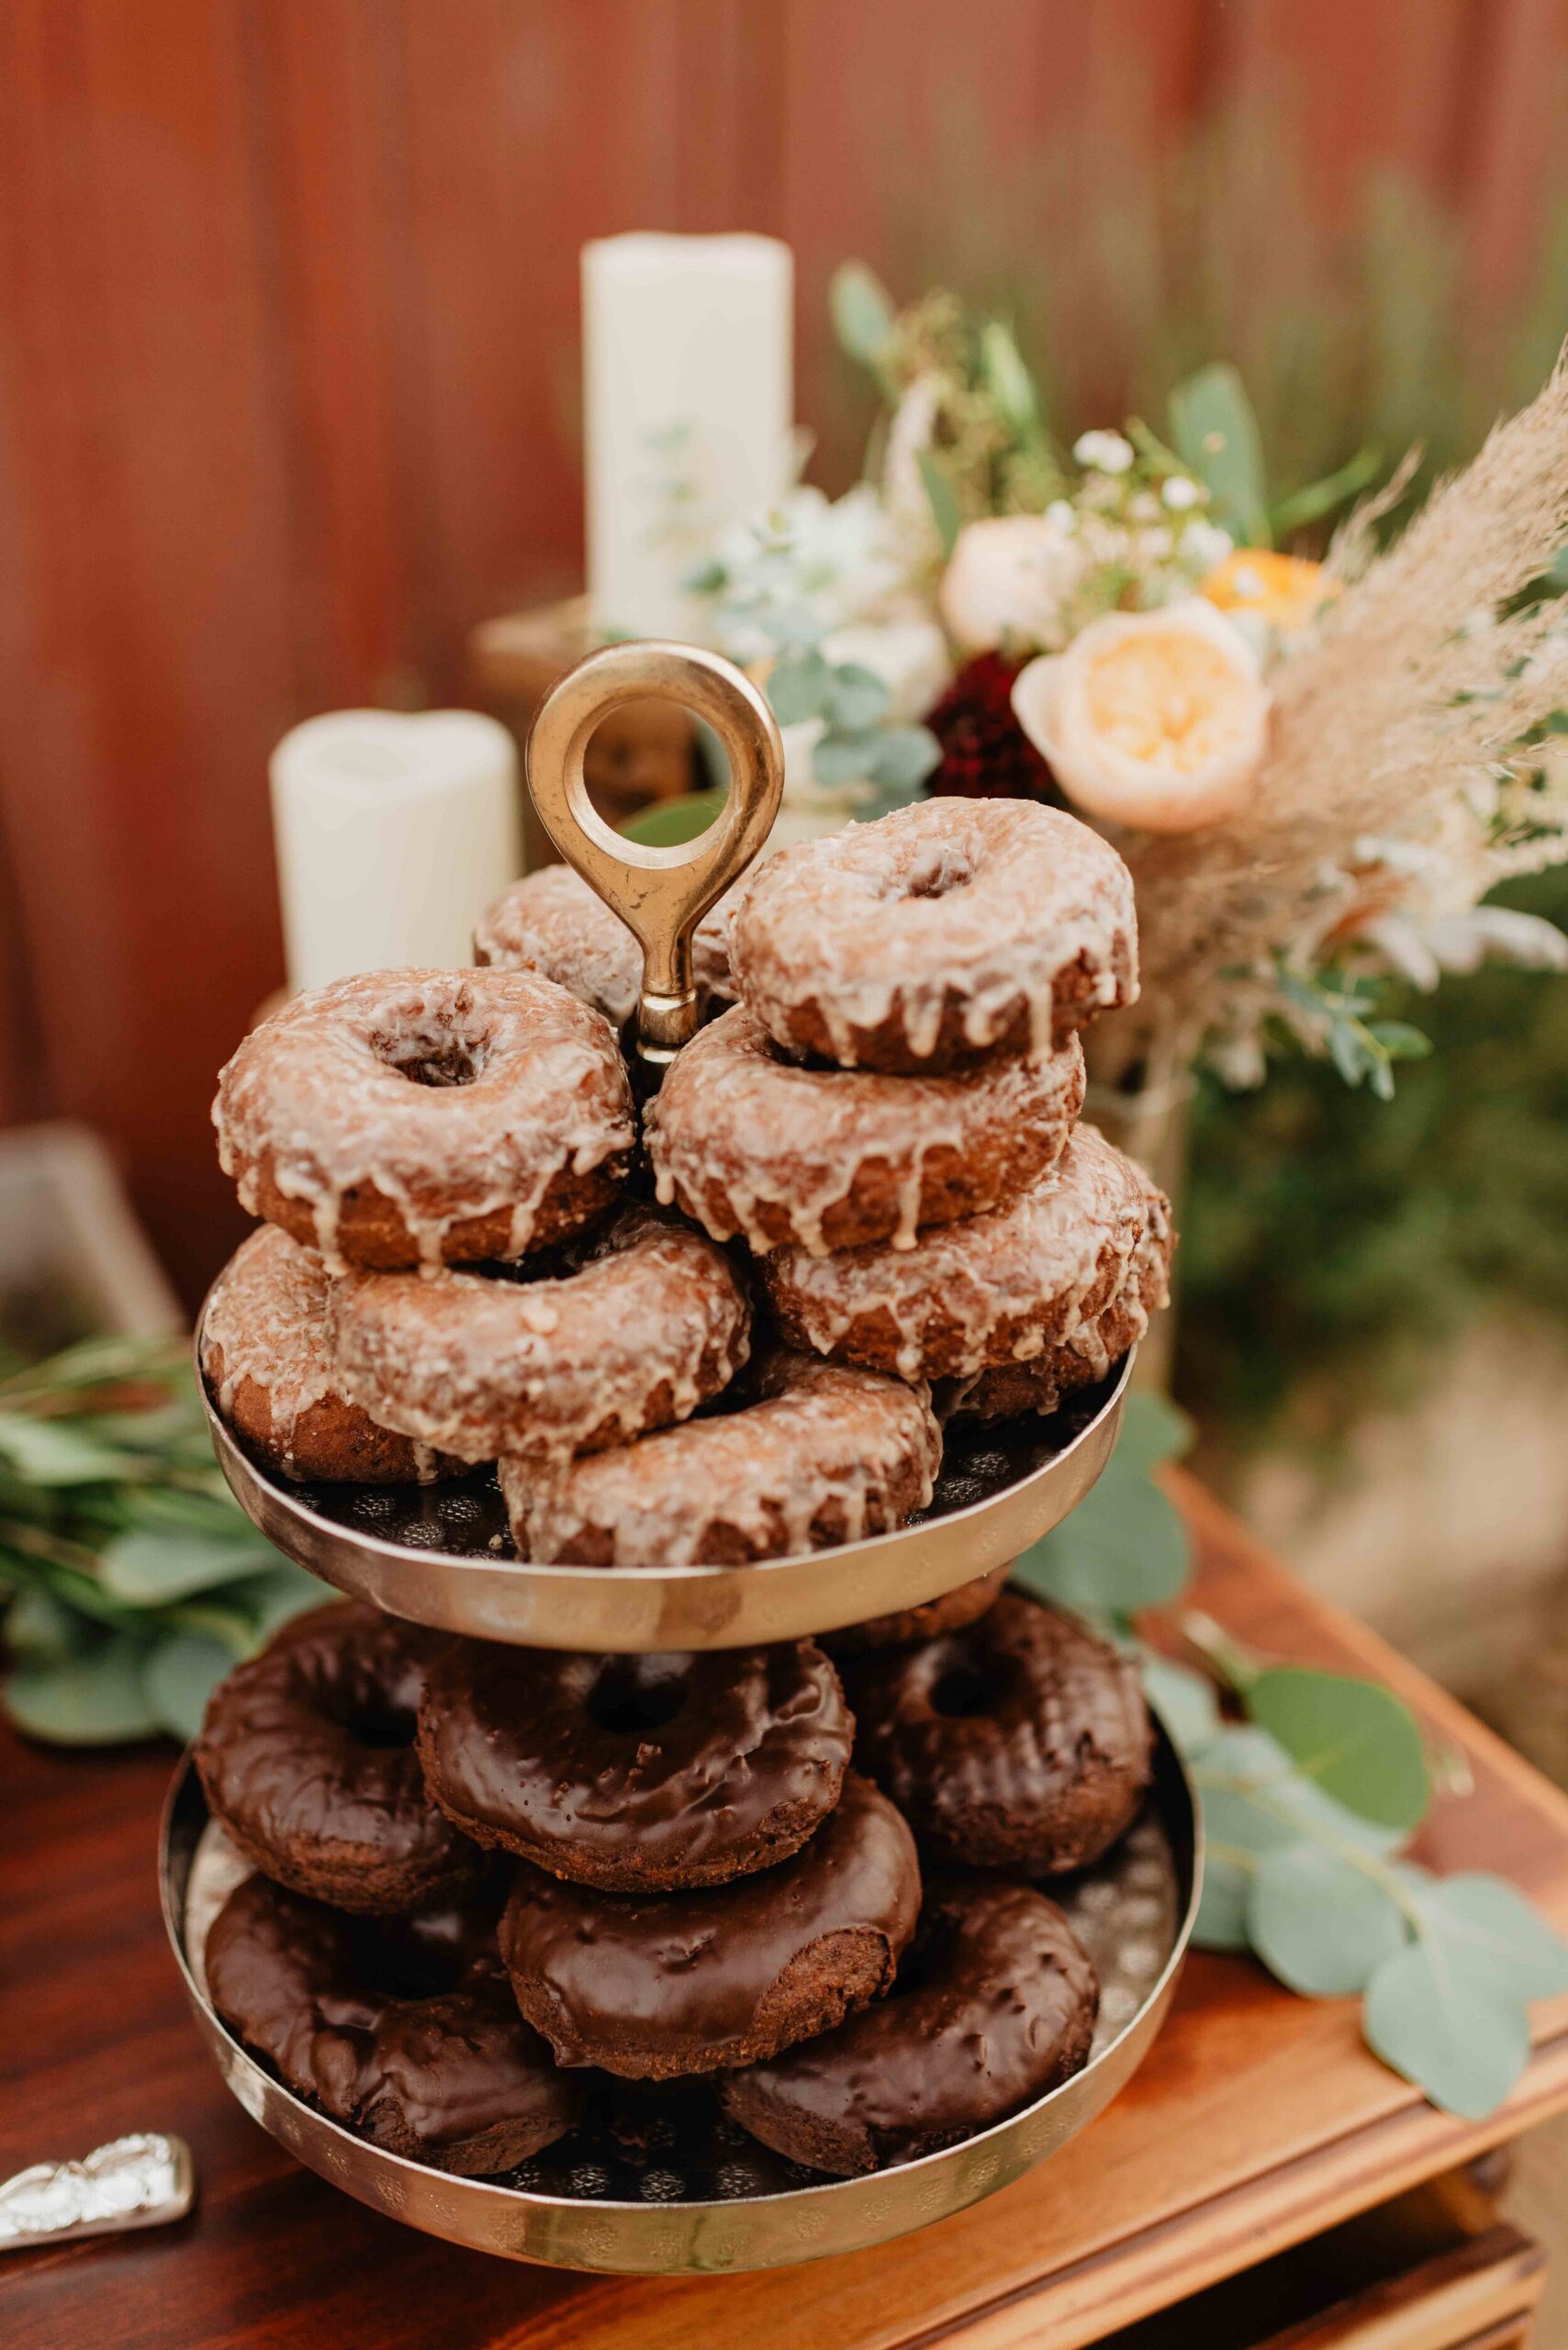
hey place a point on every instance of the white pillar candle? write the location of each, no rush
(687, 395)
(394, 831)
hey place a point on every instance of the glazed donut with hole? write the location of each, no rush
(997, 1289)
(946, 932)
(636, 1772)
(1046, 1381)
(552, 922)
(648, 1324)
(995, 2005)
(1021, 1742)
(267, 1355)
(307, 1757)
(823, 1455)
(748, 1141)
(417, 1117)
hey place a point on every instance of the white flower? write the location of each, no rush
(1062, 513)
(1009, 577)
(1179, 494)
(1104, 453)
(1204, 544)
(1153, 719)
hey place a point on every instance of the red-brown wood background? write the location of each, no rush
(288, 379)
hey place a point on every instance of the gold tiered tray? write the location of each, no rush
(659, 2182)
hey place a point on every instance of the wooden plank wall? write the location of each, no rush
(288, 380)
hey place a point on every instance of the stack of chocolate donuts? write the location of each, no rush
(861, 1208)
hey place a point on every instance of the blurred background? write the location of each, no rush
(289, 408)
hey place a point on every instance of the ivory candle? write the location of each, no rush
(687, 395)
(393, 831)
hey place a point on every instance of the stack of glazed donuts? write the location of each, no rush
(861, 1207)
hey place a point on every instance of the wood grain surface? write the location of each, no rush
(1257, 2120)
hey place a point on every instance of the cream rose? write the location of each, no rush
(1008, 577)
(1154, 719)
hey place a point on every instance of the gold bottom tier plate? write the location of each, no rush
(660, 2184)
(440, 1554)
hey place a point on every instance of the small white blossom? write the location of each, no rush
(1062, 514)
(1104, 453)
(1144, 506)
(1180, 494)
(1204, 544)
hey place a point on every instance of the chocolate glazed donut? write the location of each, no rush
(692, 1982)
(638, 1772)
(307, 1758)
(994, 2004)
(1021, 1742)
(360, 2021)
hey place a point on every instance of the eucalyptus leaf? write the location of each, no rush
(40, 1629)
(93, 1700)
(53, 1452)
(844, 758)
(799, 687)
(856, 695)
(1214, 434)
(862, 312)
(1320, 497)
(1221, 1921)
(179, 1675)
(1124, 1547)
(1321, 1924)
(1485, 1925)
(1011, 386)
(1354, 1738)
(1185, 1701)
(903, 756)
(283, 1591)
(669, 822)
(942, 498)
(150, 1570)
(1460, 2037)
(1153, 1429)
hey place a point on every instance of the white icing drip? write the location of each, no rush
(823, 1436)
(478, 1366)
(267, 1320)
(552, 922)
(997, 1288)
(981, 903)
(319, 1097)
(736, 1119)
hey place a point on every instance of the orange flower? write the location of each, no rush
(1286, 590)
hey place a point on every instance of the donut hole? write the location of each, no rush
(429, 1053)
(628, 1700)
(935, 873)
(963, 1689)
(384, 1728)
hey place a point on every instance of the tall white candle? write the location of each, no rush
(688, 404)
(394, 833)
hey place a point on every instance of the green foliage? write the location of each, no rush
(1352, 1738)
(1125, 1545)
(863, 316)
(1348, 1243)
(1214, 434)
(1334, 1013)
(132, 1580)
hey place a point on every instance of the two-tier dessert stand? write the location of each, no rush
(441, 1556)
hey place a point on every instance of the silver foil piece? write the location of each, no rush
(141, 2181)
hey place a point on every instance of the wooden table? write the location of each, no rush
(1258, 2120)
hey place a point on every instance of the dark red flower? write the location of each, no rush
(985, 753)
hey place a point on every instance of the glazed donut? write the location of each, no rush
(267, 1357)
(1022, 1742)
(750, 1142)
(552, 922)
(651, 1323)
(651, 1987)
(946, 932)
(636, 1772)
(409, 1117)
(1043, 1383)
(827, 1455)
(994, 2005)
(908, 1625)
(453, 2077)
(307, 1756)
(998, 1289)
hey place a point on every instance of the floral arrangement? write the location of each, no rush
(1317, 765)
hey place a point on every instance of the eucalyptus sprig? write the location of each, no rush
(1308, 1802)
(1334, 1015)
(131, 1580)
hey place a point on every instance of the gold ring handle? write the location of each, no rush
(661, 894)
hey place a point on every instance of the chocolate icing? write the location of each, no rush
(639, 1771)
(307, 1755)
(994, 2005)
(648, 1987)
(452, 2076)
(1020, 1741)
